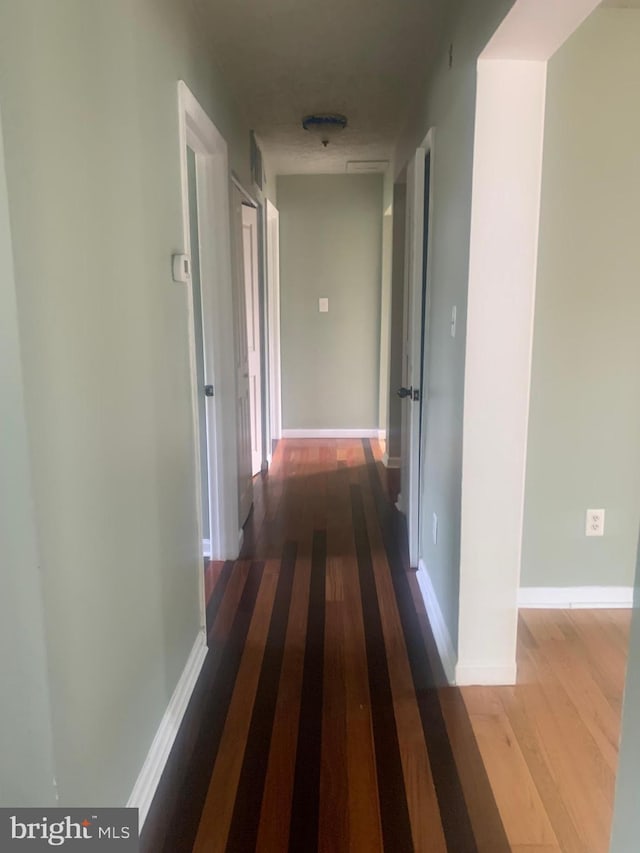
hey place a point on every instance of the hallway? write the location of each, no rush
(317, 722)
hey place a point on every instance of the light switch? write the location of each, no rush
(323, 305)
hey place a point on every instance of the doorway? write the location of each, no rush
(424, 362)
(273, 326)
(252, 308)
(204, 388)
(241, 357)
(415, 368)
(206, 287)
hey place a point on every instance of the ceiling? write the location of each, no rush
(284, 59)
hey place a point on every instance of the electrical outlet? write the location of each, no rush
(323, 305)
(434, 529)
(595, 522)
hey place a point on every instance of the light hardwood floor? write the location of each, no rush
(550, 743)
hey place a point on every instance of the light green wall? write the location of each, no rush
(88, 92)
(584, 428)
(448, 105)
(26, 749)
(330, 245)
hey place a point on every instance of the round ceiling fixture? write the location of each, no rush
(325, 125)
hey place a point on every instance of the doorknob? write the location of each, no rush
(405, 392)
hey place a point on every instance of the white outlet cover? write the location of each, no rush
(323, 305)
(595, 522)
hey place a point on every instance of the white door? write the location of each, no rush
(415, 330)
(410, 358)
(202, 358)
(273, 302)
(245, 482)
(252, 302)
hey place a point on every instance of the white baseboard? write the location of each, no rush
(206, 548)
(438, 624)
(329, 433)
(382, 435)
(569, 597)
(471, 673)
(147, 782)
(390, 461)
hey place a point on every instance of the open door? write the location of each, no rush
(243, 401)
(252, 305)
(414, 367)
(273, 309)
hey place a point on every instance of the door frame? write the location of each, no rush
(257, 418)
(269, 286)
(197, 131)
(273, 320)
(409, 499)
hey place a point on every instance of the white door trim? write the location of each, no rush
(248, 197)
(508, 149)
(250, 248)
(413, 331)
(241, 364)
(273, 322)
(198, 132)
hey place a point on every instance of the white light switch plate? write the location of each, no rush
(323, 305)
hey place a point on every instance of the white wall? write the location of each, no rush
(504, 231)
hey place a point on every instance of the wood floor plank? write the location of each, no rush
(608, 662)
(244, 827)
(524, 816)
(565, 715)
(394, 812)
(365, 829)
(218, 807)
(488, 830)
(530, 737)
(180, 812)
(455, 815)
(305, 804)
(582, 774)
(275, 814)
(223, 620)
(573, 671)
(424, 812)
(333, 832)
(322, 724)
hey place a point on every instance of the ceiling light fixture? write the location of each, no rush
(325, 125)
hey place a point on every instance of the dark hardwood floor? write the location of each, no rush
(321, 720)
